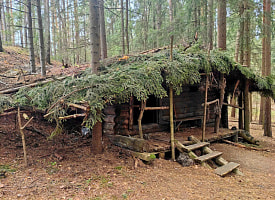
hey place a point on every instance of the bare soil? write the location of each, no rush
(65, 168)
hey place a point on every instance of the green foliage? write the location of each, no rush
(5, 102)
(121, 78)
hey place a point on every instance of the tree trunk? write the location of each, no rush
(95, 46)
(127, 27)
(222, 24)
(122, 27)
(41, 39)
(267, 106)
(31, 46)
(221, 46)
(210, 24)
(247, 55)
(1, 46)
(48, 32)
(102, 31)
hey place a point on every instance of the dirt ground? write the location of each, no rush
(65, 168)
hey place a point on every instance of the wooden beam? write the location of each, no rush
(73, 116)
(157, 108)
(234, 106)
(211, 102)
(77, 106)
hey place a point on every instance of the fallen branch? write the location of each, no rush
(13, 90)
(234, 106)
(245, 147)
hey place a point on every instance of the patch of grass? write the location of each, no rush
(7, 168)
(118, 167)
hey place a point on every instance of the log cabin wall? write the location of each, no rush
(187, 104)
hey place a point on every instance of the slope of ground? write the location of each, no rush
(65, 168)
(15, 68)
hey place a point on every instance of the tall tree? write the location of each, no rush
(41, 39)
(221, 46)
(247, 60)
(77, 39)
(48, 31)
(127, 26)
(103, 40)
(31, 46)
(267, 62)
(1, 46)
(210, 24)
(95, 45)
(122, 27)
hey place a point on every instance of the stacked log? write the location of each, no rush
(122, 120)
(109, 120)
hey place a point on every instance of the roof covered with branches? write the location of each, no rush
(121, 78)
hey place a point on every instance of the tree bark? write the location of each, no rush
(127, 27)
(48, 32)
(222, 24)
(31, 46)
(267, 106)
(76, 31)
(1, 46)
(210, 24)
(102, 31)
(247, 55)
(41, 40)
(122, 27)
(95, 46)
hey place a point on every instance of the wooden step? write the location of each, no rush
(195, 146)
(209, 156)
(225, 169)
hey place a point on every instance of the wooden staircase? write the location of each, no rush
(223, 168)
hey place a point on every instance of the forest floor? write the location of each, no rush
(65, 168)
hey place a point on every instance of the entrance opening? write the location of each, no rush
(149, 116)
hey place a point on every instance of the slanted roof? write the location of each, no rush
(137, 75)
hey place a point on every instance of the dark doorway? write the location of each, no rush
(149, 116)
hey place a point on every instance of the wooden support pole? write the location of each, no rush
(131, 113)
(246, 107)
(157, 108)
(240, 101)
(205, 109)
(21, 128)
(73, 116)
(222, 86)
(172, 123)
(143, 105)
(211, 102)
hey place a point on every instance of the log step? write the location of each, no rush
(209, 156)
(225, 169)
(195, 146)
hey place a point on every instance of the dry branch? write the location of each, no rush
(246, 147)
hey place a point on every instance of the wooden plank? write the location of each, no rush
(225, 169)
(196, 146)
(208, 156)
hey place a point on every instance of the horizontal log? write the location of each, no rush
(108, 126)
(149, 157)
(13, 90)
(245, 147)
(108, 132)
(211, 102)
(157, 108)
(109, 110)
(247, 137)
(109, 118)
(135, 144)
(234, 106)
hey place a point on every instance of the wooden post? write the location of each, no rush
(222, 85)
(21, 128)
(131, 113)
(205, 108)
(246, 107)
(172, 122)
(142, 108)
(240, 100)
